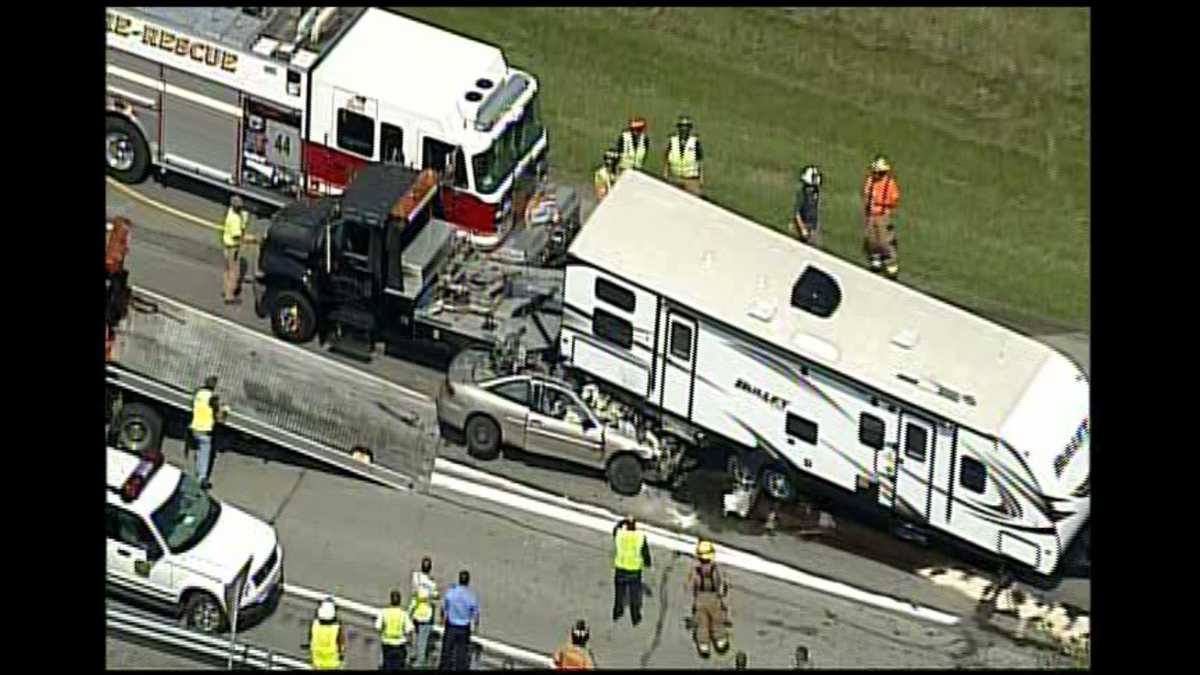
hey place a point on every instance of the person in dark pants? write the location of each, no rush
(395, 631)
(460, 609)
(806, 214)
(631, 554)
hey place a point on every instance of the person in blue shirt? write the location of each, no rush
(460, 609)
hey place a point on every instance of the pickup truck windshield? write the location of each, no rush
(186, 518)
(492, 166)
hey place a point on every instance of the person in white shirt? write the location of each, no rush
(422, 607)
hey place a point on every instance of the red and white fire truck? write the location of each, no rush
(276, 103)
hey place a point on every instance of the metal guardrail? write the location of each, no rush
(209, 646)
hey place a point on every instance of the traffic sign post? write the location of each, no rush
(233, 601)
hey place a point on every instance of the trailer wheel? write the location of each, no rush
(625, 475)
(292, 316)
(126, 154)
(139, 427)
(483, 437)
(778, 483)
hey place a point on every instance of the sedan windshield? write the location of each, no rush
(185, 518)
(493, 166)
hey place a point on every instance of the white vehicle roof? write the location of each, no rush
(725, 266)
(120, 464)
(427, 69)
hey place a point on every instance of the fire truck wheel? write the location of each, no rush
(483, 437)
(292, 317)
(139, 427)
(126, 154)
(625, 475)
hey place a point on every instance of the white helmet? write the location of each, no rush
(811, 176)
(327, 611)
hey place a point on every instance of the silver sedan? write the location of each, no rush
(545, 416)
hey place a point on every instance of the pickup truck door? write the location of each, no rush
(135, 558)
(561, 426)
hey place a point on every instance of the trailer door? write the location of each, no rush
(679, 364)
(914, 467)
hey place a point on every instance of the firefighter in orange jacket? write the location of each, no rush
(576, 655)
(881, 196)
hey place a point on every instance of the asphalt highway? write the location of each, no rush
(360, 538)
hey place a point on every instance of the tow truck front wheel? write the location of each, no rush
(139, 427)
(202, 613)
(292, 317)
(125, 153)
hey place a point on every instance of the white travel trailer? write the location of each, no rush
(731, 334)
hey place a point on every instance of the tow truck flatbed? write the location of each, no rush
(279, 393)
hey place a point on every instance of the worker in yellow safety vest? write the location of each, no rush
(606, 176)
(630, 555)
(327, 640)
(634, 144)
(206, 409)
(422, 607)
(395, 628)
(236, 221)
(684, 157)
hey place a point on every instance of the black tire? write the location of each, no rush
(127, 157)
(139, 427)
(779, 483)
(292, 316)
(625, 475)
(483, 437)
(202, 612)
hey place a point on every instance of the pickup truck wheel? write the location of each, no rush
(139, 427)
(203, 613)
(292, 317)
(483, 437)
(625, 475)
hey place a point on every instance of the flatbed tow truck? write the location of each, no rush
(160, 350)
(377, 266)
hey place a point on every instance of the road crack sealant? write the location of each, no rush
(288, 498)
(663, 606)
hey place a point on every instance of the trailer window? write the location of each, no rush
(870, 431)
(517, 392)
(805, 430)
(355, 133)
(612, 328)
(681, 341)
(391, 144)
(973, 475)
(914, 442)
(615, 295)
(816, 293)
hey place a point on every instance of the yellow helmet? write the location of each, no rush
(704, 550)
(880, 165)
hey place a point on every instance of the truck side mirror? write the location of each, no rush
(588, 423)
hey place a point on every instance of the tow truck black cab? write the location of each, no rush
(365, 268)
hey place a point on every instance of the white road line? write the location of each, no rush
(494, 646)
(344, 368)
(686, 544)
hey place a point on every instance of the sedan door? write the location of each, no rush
(560, 425)
(509, 404)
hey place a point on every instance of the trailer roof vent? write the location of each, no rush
(474, 96)
(906, 339)
(484, 83)
(817, 293)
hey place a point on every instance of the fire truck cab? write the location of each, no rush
(275, 103)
